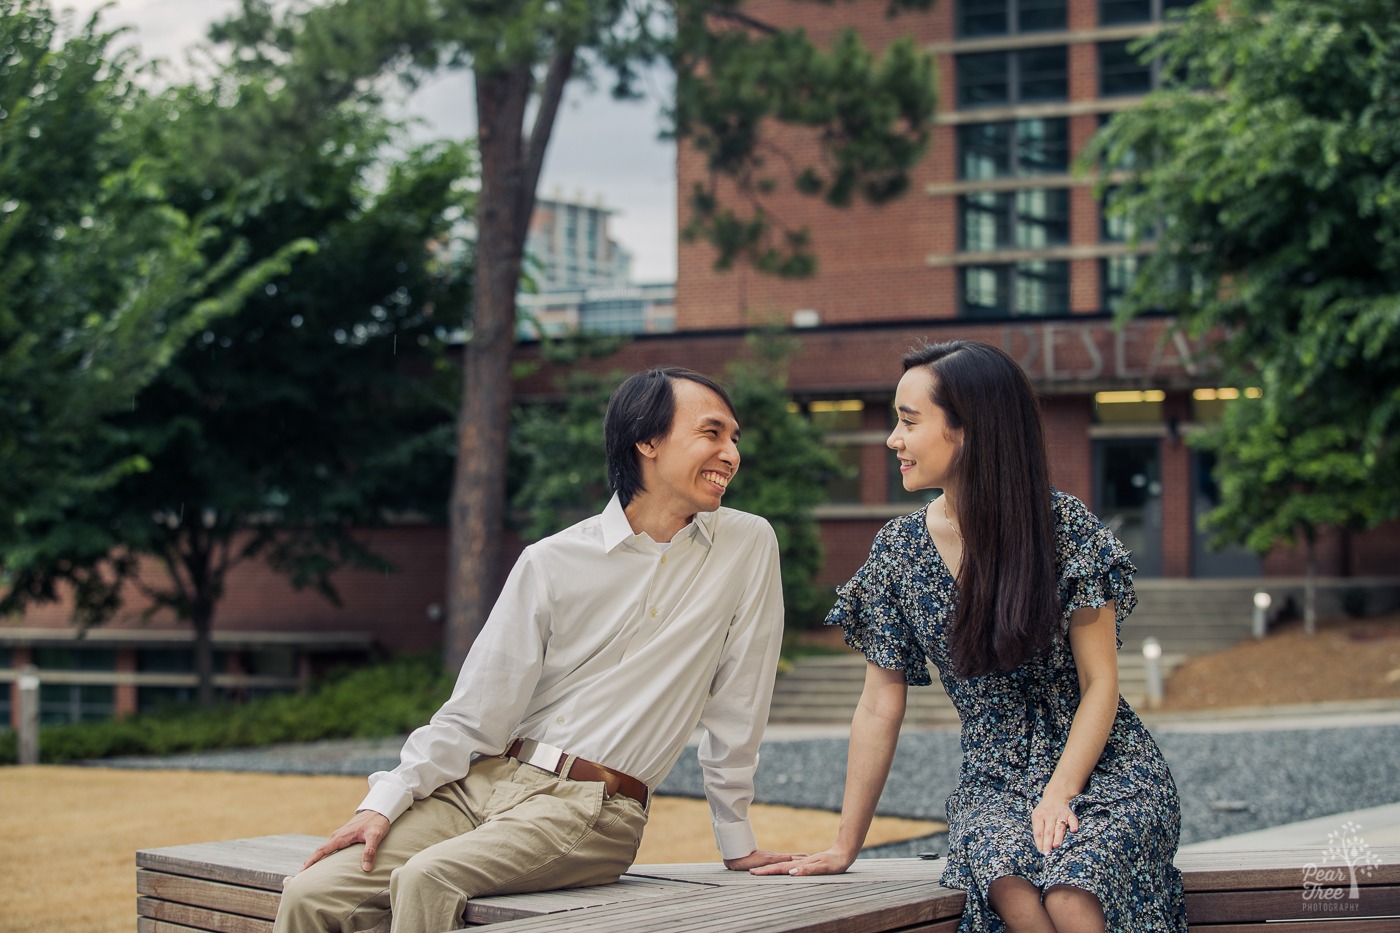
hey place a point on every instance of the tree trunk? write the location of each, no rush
(1310, 591)
(202, 618)
(477, 508)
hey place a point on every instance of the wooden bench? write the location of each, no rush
(234, 887)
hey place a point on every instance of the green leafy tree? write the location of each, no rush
(783, 475)
(734, 73)
(102, 279)
(787, 467)
(324, 403)
(1269, 173)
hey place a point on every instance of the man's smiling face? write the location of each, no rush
(694, 464)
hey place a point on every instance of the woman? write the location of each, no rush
(1065, 816)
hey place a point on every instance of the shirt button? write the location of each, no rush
(663, 558)
(559, 720)
(653, 613)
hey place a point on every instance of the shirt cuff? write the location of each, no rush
(735, 840)
(387, 796)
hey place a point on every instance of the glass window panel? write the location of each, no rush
(1115, 228)
(1117, 274)
(984, 292)
(984, 150)
(836, 414)
(1040, 15)
(621, 316)
(1042, 146)
(1120, 72)
(983, 79)
(76, 659)
(1042, 287)
(983, 18)
(1042, 218)
(985, 223)
(845, 487)
(1114, 12)
(63, 703)
(159, 699)
(1044, 74)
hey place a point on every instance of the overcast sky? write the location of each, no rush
(601, 150)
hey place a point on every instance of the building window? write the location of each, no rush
(1030, 288)
(1119, 12)
(844, 487)
(1120, 71)
(1000, 17)
(1031, 219)
(619, 316)
(1129, 406)
(75, 702)
(1116, 276)
(1013, 149)
(1115, 227)
(836, 414)
(989, 79)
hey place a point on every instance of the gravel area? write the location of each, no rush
(1231, 779)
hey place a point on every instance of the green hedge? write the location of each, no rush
(392, 698)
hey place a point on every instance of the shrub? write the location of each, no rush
(391, 698)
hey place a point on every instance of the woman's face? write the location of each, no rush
(921, 438)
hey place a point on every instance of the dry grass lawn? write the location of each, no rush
(73, 832)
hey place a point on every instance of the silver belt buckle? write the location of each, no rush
(542, 756)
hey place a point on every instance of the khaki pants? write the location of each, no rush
(507, 827)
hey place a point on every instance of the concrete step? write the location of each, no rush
(825, 689)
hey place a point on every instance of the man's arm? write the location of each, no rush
(735, 716)
(491, 695)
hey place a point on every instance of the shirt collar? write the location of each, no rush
(617, 529)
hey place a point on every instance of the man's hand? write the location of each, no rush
(365, 826)
(830, 862)
(758, 858)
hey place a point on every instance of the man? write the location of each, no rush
(611, 641)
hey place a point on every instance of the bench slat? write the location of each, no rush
(197, 892)
(861, 870)
(201, 918)
(1385, 925)
(873, 907)
(1270, 869)
(148, 925)
(1235, 906)
(514, 906)
(260, 862)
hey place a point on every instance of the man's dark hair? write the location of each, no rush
(642, 409)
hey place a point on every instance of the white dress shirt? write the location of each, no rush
(614, 648)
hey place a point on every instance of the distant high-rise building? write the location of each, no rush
(582, 278)
(569, 247)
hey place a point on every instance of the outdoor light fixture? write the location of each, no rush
(1261, 610)
(1152, 663)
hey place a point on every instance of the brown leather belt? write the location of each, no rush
(553, 760)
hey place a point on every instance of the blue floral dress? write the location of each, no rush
(897, 610)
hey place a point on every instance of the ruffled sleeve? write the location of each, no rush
(1095, 567)
(868, 610)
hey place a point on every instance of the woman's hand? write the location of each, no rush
(831, 862)
(1051, 819)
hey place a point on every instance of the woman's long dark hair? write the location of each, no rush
(1008, 604)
